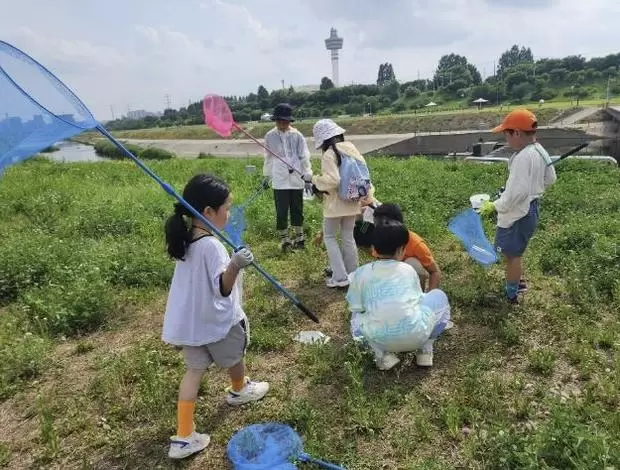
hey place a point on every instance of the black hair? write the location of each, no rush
(331, 143)
(362, 234)
(389, 211)
(388, 237)
(200, 192)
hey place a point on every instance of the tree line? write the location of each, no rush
(518, 78)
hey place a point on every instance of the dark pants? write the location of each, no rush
(289, 201)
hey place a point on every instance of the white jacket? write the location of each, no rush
(292, 147)
(529, 177)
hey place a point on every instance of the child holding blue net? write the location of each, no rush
(530, 174)
(204, 314)
(389, 310)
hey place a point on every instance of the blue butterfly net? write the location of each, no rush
(264, 446)
(36, 109)
(467, 226)
(236, 225)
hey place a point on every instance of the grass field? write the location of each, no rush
(435, 121)
(86, 383)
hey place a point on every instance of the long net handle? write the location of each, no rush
(321, 463)
(569, 153)
(247, 134)
(166, 187)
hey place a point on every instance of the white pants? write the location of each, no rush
(342, 260)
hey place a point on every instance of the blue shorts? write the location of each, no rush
(513, 241)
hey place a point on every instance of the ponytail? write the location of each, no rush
(177, 234)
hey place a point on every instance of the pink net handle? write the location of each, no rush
(218, 115)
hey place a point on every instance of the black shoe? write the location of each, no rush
(285, 245)
(522, 286)
(513, 300)
(299, 245)
(327, 272)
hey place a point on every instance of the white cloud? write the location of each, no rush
(190, 48)
(69, 52)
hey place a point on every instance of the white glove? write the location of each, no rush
(307, 177)
(242, 258)
(368, 215)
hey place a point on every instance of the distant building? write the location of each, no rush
(139, 114)
(307, 88)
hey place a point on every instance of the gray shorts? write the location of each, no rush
(225, 353)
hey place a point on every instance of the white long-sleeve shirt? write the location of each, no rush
(292, 147)
(529, 177)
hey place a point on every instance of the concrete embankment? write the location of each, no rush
(244, 148)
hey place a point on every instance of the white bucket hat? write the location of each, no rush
(324, 130)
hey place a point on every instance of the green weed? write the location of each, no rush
(94, 263)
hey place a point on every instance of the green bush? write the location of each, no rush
(107, 149)
(70, 307)
(25, 263)
(154, 153)
(22, 355)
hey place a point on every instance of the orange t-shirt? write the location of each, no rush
(416, 248)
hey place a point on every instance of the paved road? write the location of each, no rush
(576, 117)
(245, 147)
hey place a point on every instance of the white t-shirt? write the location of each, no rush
(387, 295)
(530, 175)
(196, 312)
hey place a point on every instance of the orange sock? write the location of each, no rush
(185, 418)
(237, 385)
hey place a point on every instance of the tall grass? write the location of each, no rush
(534, 387)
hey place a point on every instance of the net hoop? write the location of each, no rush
(15, 52)
(218, 115)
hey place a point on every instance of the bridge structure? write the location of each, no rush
(600, 127)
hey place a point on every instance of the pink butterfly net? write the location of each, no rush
(218, 115)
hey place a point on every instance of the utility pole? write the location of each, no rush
(608, 81)
(112, 111)
(167, 98)
(496, 75)
(282, 84)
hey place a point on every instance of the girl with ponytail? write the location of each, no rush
(203, 313)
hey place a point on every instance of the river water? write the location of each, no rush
(73, 152)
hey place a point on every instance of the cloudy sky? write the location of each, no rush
(132, 53)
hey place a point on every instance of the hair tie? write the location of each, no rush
(179, 209)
